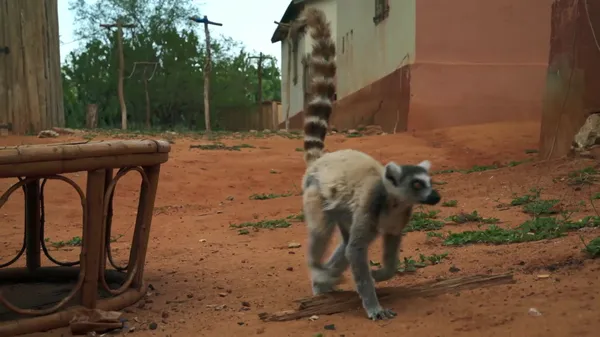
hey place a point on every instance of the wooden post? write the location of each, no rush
(120, 92)
(91, 121)
(207, 67)
(261, 57)
(31, 93)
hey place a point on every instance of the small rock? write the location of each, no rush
(230, 198)
(245, 304)
(313, 318)
(222, 294)
(454, 269)
(534, 312)
(294, 245)
(241, 323)
(48, 134)
(165, 314)
(290, 269)
(202, 240)
(190, 295)
(153, 326)
(543, 276)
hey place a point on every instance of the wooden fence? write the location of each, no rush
(266, 117)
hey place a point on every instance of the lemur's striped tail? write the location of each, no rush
(322, 72)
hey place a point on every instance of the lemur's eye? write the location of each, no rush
(417, 185)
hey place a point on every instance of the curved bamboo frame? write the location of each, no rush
(32, 164)
(3, 200)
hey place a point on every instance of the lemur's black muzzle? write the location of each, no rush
(433, 198)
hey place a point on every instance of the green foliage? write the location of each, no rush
(163, 34)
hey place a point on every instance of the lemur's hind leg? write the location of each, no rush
(320, 230)
(338, 263)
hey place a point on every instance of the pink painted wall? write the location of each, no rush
(479, 61)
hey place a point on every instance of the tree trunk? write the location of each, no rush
(31, 93)
(91, 116)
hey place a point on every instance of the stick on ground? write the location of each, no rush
(337, 302)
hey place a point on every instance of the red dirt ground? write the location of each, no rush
(196, 260)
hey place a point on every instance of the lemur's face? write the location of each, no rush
(411, 183)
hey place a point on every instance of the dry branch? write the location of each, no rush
(337, 302)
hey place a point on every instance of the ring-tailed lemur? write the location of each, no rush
(350, 189)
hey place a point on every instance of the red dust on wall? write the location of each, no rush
(573, 81)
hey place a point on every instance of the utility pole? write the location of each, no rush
(119, 24)
(207, 66)
(261, 57)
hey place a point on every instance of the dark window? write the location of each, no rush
(382, 10)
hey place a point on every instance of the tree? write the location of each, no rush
(166, 37)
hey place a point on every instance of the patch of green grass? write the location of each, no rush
(446, 171)
(75, 241)
(354, 135)
(299, 149)
(527, 198)
(592, 248)
(585, 176)
(596, 196)
(531, 151)
(221, 146)
(541, 207)
(481, 168)
(463, 217)
(408, 264)
(296, 217)
(263, 196)
(424, 221)
(262, 224)
(536, 229)
(438, 183)
(450, 203)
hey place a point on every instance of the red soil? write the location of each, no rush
(196, 260)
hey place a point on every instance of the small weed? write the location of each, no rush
(537, 229)
(262, 224)
(435, 235)
(438, 183)
(450, 203)
(527, 198)
(481, 168)
(531, 151)
(586, 176)
(299, 149)
(541, 207)
(296, 217)
(470, 217)
(408, 264)
(592, 248)
(421, 221)
(75, 241)
(596, 196)
(354, 135)
(221, 146)
(263, 196)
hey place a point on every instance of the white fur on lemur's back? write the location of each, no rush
(345, 176)
(322, 87)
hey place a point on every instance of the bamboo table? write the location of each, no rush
(33, 166)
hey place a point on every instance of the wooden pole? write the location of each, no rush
(207, 68)
(31, 93)
(120, 91)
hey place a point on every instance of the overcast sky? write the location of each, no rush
(250, 22)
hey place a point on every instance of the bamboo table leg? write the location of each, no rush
(143, 223)
(32, 224)
(92, 237)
